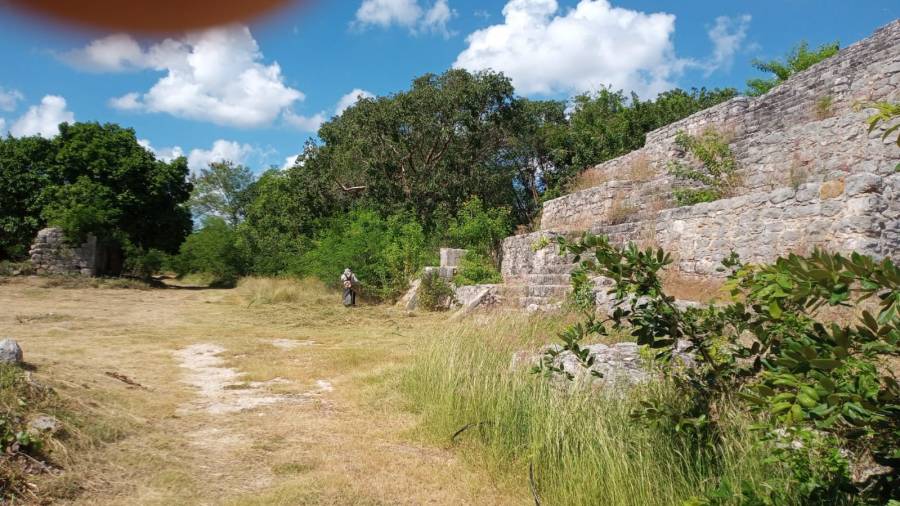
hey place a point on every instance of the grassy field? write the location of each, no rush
(273, 393)
(329, 425)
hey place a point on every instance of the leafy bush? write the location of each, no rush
(144, 263)
(479, 228)
(886, 114)
(384, 253)
(799, 59)
(827, 411)
(434, 293)
(718, 177)
(476, 269)
(214, 250)
(16, 268)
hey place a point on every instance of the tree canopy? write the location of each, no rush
(800, 58)
(91, 178)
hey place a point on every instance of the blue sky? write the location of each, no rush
(256, 92)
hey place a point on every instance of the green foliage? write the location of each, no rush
(476, 269)
(540, 244)
(718, 177)
(803, 376)
(24, 173)
(799, 59)
(91, 178)
(886, 114)
(582, 296)
(212, 250)
(422, 150)
(479, 228)
(384, 253)
(221, 190)
(434, 293)
(81, 208)
(144, 263)
(607, 124)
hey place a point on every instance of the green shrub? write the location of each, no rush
(718, 177)
(816, 386)
(16, 268)
(212, 250)
(476, 269)
(384, 253)
(582, 296)
(799, 59)
(144, 263)
(479, 228)
(434, 293)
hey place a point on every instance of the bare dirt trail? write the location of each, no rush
(281, 404)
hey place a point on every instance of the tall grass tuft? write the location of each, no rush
(284, 291)
(583, 446)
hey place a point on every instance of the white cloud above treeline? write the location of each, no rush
(221, 150)
(9, 99)
(217, 75)
(406, 13)
(351, 98)
(547, 50)
(43, 119)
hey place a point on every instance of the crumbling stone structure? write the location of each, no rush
(810, 176)
(52, 254)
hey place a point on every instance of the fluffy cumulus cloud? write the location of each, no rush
(290, 161)
(2, 127)
(43, 119)
(406, 13)
(304, 123)
(217, 75)
(351, 98)
(9, 99)
(201, 158)
(727, 36)
(545, 50)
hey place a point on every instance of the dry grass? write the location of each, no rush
(693, 288)
(285, 291)
(620, 210)
(589, 178)
(824, 107)
(640, 169)
(348, 445)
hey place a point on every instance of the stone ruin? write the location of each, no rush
(810, 178)
(52, 254)
(467, 297)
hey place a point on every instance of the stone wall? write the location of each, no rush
(810, 178)
(779, 139)
(50, 254)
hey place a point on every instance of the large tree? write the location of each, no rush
(425, 149)
(91, 178)
(221, 190)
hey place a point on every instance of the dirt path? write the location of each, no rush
(240, 405)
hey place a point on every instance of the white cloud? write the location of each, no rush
(547, 51)
(437, 17)
(2, 127)
(290, 161)
(406, 13)
(127, 102)
(114, 53)
(727, 36)
(385, 13)
(304, 123)
(216, 75)
(221, 150)
(9, 98)
(164, 154)
(351, 98)
(43, 119)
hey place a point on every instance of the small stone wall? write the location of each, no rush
(50, 254)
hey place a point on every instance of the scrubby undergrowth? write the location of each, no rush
(584, 447)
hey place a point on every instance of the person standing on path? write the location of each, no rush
(350, 284)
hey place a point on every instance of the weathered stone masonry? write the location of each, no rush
(810, 177)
